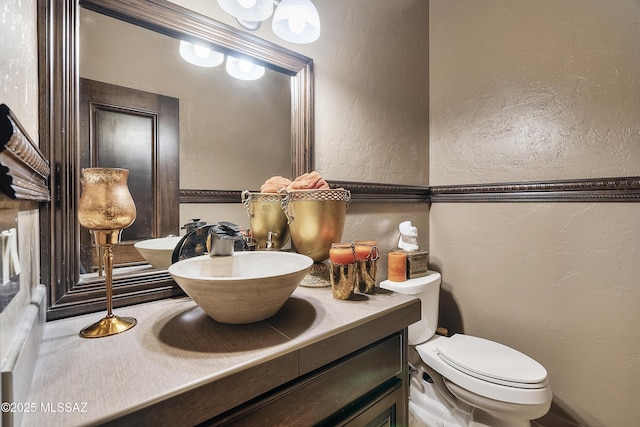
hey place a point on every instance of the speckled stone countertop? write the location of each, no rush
(179, 364)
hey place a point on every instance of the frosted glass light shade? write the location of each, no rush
(296, 21)
(248, 10)
(244, 70)
(200, 55)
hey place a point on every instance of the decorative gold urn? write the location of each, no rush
(316, 220)
(106, 208)
(266, 216)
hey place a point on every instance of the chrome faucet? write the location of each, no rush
(193, 225)
(222, 239)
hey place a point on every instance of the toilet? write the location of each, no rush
(464, 380)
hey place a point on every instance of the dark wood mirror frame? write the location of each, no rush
(58, 50)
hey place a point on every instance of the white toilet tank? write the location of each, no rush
(426, 288)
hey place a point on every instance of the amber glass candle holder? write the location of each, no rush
(343, 270)
(367, 255)
(106, 208)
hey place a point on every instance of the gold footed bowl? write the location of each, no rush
(266, 215)
(316, 220)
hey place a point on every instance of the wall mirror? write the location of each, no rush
(63, 139)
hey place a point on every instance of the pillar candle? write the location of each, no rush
(342, 253)
(397, 266)
(366, 249)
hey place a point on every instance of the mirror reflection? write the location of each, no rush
(205, 128)
(9, 257)
(176, 157)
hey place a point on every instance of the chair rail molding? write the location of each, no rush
(24, 172)
(617, 189)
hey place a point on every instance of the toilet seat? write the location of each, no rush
(491, 361)
(487, 368)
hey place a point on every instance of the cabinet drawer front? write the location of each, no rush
(323, 393)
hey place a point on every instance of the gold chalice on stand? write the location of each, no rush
(316, 220)
(106, 208)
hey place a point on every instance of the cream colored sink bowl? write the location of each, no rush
(244, 287)
(158, 252)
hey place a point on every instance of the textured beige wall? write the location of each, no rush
(541, 90)
(371, 87)
(371, 106)
(19, 90)
(528, 91)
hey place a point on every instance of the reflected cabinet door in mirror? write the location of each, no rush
(138, 131)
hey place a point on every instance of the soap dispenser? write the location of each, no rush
(269, 243)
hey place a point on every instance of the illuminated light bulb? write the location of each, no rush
(200, 55)
(297, 24)
(296, 21)
(201, 51)
(248, 10)
(247, 4)
(244, 70)
(245, 66)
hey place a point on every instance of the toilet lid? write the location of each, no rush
(491, 361)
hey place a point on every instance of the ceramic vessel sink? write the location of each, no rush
(244, 287)
(158, 252)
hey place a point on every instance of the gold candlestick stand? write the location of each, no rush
(106, 208)
(110, 324)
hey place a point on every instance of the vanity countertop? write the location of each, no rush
(177, 360)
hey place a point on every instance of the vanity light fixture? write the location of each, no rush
(296, 21)
(200, 55)
(243, 69)
(248, 10)
(204, 57)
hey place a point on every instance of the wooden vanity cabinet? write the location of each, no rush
(319, 361)
(365, 388)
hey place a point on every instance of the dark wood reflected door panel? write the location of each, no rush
(138, 131)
